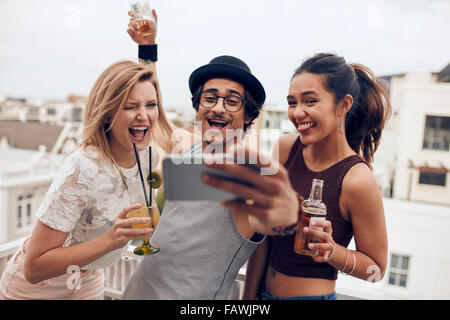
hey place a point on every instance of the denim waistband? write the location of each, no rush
(264, 295)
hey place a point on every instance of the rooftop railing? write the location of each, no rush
(7, 250)
(118, 275)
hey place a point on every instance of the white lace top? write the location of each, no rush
(85, 198)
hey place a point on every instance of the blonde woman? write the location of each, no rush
(82, 219)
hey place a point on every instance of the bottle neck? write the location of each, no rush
(316, 192)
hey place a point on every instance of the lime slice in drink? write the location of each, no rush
(156, 180)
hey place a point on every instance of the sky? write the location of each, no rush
(51, 48)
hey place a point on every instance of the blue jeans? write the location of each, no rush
(264, 295)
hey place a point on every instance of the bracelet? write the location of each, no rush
(286, 231)
(346, 260)
(332, 252)
(354, 264)
(148, 52)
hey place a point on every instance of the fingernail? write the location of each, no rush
(313, 223)
(305, 229)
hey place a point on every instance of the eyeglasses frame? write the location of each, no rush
(224, 101)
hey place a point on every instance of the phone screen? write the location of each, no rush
(182, 180)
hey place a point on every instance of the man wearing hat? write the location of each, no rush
(203, 244)
(242, 96)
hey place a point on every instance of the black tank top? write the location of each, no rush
(281, 255)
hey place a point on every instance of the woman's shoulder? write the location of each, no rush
(288, 139)
(360, 197)
(359, 181)
(86, 160)
(283, 147)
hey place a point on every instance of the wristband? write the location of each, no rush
(148, 52)
(288, 230)
(285, 231)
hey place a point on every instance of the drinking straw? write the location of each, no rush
(150, 170)
(140, 174)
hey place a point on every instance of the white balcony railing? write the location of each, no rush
(118, 275)
(7, 250)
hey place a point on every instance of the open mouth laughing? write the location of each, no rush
(217, 123)
(138, 132)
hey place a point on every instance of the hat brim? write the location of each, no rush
(210, 71)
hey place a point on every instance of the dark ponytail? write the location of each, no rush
(366, 119)
(371, 107)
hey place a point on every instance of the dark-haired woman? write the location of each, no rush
(339, 111)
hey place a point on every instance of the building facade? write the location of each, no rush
(413, 161)
(25, 176)
(418, 247)
(56, 112)
(412, 170)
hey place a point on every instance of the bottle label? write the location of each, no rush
(316, 219)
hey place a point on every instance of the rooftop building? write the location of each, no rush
(413, 160)
(25, 176)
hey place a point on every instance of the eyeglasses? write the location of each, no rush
(232, 103)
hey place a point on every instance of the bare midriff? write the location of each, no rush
(282, 285)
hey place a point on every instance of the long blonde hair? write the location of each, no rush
(108, 95)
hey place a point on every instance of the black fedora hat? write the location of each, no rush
(231, 68)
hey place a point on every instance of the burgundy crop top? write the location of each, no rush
(281, 255)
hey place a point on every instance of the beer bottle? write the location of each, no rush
(312, 209)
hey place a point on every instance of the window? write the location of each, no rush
(435, 179)
(28, 214)
(24, 210)
(398, 272)
(19, 212)
(437, 133)
(76, 115)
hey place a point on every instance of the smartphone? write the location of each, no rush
(182, 179)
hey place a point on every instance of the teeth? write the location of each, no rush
(218, 121)
(306, 125)
(139, 128)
